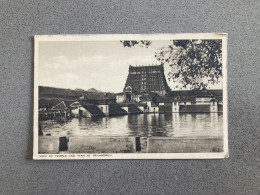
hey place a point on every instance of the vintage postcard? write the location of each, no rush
(130, 96)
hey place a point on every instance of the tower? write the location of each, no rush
(147, 79)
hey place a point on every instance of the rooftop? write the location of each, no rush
(149, 94)
(64, 105)
(197, 93)
(94, 110)
(145, 66)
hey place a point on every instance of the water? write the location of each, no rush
(206, 125)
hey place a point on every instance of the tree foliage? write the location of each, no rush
(193, 63)
(142, 43)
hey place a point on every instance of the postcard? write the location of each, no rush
(130, 96)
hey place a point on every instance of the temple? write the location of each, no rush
(145, 91)
(147, 79)
(147, 85)
(144, 79)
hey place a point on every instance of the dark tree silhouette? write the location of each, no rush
(142, 43)
(193, 63)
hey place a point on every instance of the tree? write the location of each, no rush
(142, 43)
(193, 63)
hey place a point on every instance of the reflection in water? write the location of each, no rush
(208, 125)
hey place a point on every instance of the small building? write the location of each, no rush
(150, 97)
(98, 98)
(169, 104)
(192, 101)
(46, 104)
(120, 97)
(204, 97)
(187, 100)
(62, 109)
(167, 101)
(80, 109)
(220, 103)
(152, 101)
(128, 95)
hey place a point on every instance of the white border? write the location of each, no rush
(117, 37)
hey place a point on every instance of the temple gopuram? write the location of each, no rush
(147, 79)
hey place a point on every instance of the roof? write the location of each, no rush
(149, 95)
(133, 109)
(203, 93)
(145, 66)
(136, 92)
(168, 99)
(64, 105)
(93, 110)
(75, 104)
(187, 99)
(216, 92)
(98, 96)
(177, 99)
(198, 93)
(141, 104)
(110, 96)
(115, 109)
(219, 98)
(68, 103)
(154, 105)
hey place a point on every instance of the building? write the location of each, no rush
(67, 103)
(145, 79)
(147, 85)
(145, 91)
(98, 98)
(193, 101)
(51, 96)
(63, 109)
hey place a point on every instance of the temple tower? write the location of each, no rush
(147, 79)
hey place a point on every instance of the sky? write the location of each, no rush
(102, 65)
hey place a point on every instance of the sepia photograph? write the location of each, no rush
(130, 96)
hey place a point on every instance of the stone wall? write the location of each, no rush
(102, 144)
(183, 145)
(48, 145)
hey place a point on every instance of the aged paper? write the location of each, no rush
(130, 96)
